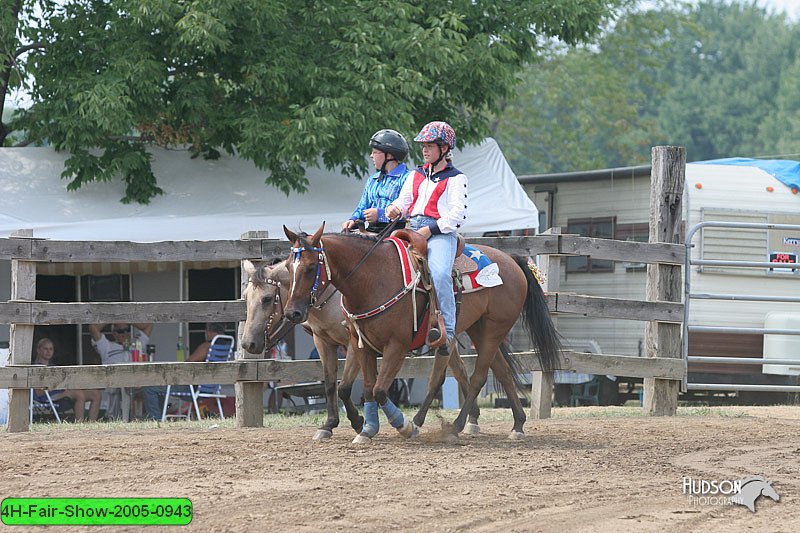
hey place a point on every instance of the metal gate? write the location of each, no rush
(689, 296)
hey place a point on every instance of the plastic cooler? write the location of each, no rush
(782, 346)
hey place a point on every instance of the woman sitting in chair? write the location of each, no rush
(44, 356)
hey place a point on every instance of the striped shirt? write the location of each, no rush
(380, 192)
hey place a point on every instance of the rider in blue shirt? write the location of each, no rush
(389, 149)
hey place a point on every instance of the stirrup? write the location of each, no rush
(436, 333)
(434, 336)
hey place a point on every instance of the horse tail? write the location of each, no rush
(536, 319)
(516, 369)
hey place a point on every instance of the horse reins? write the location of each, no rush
(380, 236)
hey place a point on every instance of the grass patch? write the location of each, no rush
(281, 421)
(706, 411)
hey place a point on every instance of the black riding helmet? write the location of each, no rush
(390, 142)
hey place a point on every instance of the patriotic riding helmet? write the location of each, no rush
(437, 132)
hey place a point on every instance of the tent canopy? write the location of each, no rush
(222, 199)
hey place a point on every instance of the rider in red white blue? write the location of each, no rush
(434, 200)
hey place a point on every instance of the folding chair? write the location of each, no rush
(43, 406)
(586, 393)
(220, 350)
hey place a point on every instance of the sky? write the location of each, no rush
(791, 7)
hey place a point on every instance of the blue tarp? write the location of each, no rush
(785, 171)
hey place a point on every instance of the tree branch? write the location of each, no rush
(126, 138)
(28, 47)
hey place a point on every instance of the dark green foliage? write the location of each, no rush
(284, 84)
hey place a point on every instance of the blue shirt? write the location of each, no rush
(380, 192)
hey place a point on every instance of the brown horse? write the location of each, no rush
(381, 311)
(267, 290)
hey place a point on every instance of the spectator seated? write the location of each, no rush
(220, 350)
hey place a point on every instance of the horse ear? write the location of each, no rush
(280, 271)
(316, 237)
(249, 268)
(290, 235)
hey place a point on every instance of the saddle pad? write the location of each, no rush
(486, 275)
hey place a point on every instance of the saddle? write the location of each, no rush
(418, 248)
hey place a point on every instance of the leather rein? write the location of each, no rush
(323, 262)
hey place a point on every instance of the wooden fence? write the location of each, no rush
(662, 310)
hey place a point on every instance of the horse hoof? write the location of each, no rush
(362, 440)
(322, 434)
(516, 435)
(409, 430)
(471, 429)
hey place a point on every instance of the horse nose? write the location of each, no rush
(252, 347)
(295, 316)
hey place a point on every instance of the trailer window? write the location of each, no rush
(637, 232)
(601, 227)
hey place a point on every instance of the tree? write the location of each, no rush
(719, 78)
(581, 107)
(18, 20)
(284, 84)
(724, 77)
(780, 130)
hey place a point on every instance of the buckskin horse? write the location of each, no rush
(381, 305)
(265, 295)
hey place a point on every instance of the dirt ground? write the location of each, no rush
(599, 472)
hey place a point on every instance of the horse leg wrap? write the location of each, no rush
(393, 414)
(371, 423)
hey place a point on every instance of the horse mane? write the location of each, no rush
(302, 237)
(259, 278)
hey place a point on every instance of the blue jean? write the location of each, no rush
(441, 254)
(154, 399)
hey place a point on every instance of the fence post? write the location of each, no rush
(664, 281)
(249, 394)
(23, 287)
(542, 382)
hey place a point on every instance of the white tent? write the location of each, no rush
(220, 200)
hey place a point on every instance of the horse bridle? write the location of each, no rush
(320, 262)
(273, 336)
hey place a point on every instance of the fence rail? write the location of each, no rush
(263, 370)
(41, 313)
(689, 261)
